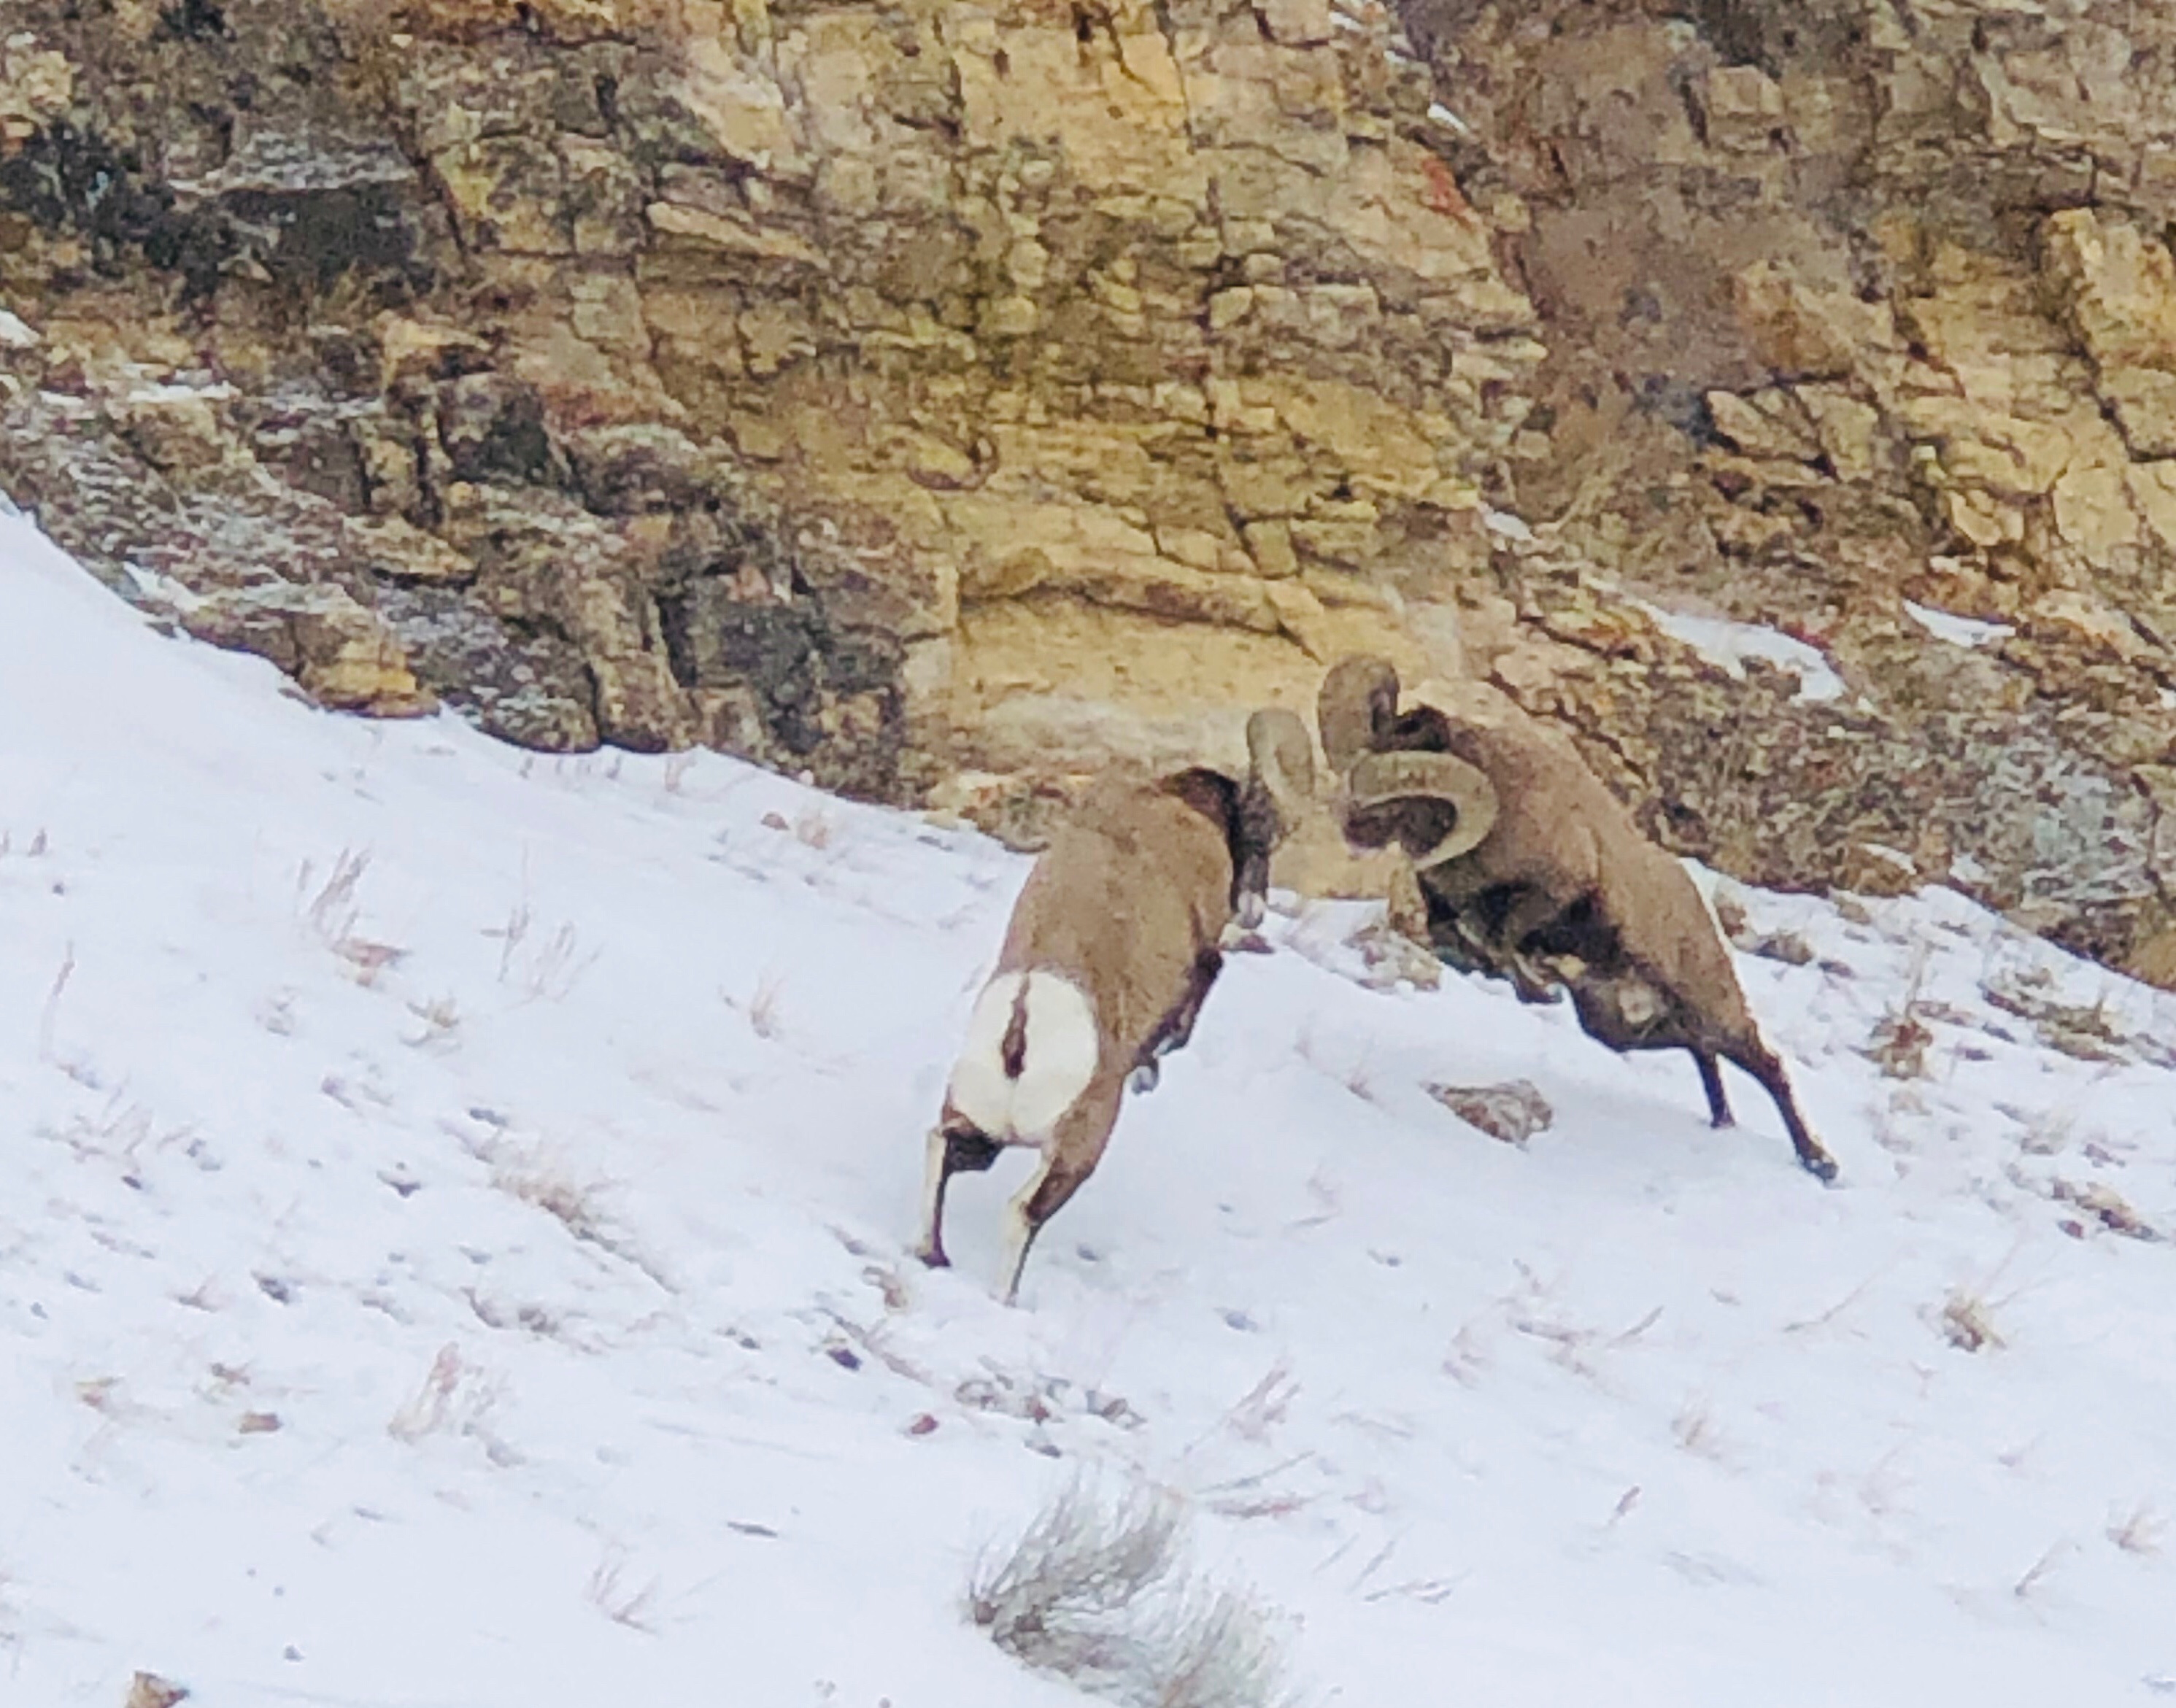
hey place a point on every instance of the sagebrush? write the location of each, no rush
(1100, 1591)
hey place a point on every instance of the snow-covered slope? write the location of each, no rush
(453, 1207)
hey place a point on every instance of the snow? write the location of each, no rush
(170, 391)
(1729, 645)
(537, 1141)
(1958, 631)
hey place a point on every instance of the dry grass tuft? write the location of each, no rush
(761, 1010)
(429, 1408)
(549, 968)
(1967, 1322)
(455, 1398)
(333, 914)
(1097, 1591)
(2039, 1571)
(441, 1018)
(1901, 1036)
(552, 1189)
(2138, 1531)
(49, 1016)
(533, 1175)
(608, 1593)
(1695, 1427)
(1262, 1407)
(1899, 1044)
(511, 936)
(2086, 1031)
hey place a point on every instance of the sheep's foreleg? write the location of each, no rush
(1765, 1066)
(1259, 832)
(1532, 912)
(1530, 983)
(1176, 1028)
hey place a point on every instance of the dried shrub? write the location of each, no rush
(1098, 1591)
(333, 914)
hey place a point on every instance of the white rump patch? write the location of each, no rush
(1056, 1065)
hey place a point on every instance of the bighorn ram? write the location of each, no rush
(1532, 871)
(1112, 947)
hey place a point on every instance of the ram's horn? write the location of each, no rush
(1281, 755)
(1381, 779)
(1356, 703)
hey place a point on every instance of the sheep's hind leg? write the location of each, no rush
(953, 1147)
(1765, 1066)
(1710, 1073)
(1042, 1198)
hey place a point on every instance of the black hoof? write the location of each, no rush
(935, 1258)
(1143, 1077)
(1821, 1166)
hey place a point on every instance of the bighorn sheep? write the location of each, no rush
(1112, 947)
(1534, 872)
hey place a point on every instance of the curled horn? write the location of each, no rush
(1280, 757)
(1280, 784)
(1357, 703)
(1377, 780)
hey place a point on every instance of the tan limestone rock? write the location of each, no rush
(393, 547)
(1848, 428)
(743, 109)
(36, 84)
(563, 20)
(2092, 621)
(2120, 292)
(341, 654)
(1771, 423)
(730, 234)
(2152, 491)
(2093, 512)
(180, 430)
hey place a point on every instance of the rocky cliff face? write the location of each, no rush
(1852, 304)
(937, 397)
(979, 384)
